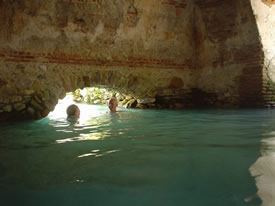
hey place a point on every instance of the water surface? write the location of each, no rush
(140, 157)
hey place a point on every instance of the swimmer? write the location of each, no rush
(73, 113)
(112, 103)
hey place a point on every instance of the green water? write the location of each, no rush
(137, 157)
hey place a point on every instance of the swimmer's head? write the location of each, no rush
(73, 111)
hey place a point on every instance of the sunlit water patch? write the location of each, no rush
(140, 157)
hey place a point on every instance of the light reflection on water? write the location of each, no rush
(150, 157)
(264, 170)
(97, 153)
(94, 121)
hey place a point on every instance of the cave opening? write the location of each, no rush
(92, 101)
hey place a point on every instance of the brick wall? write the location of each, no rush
(230, 48)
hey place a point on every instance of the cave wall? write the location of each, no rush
(48, 48)
(229, 52)
(187, 52)
(113, 32)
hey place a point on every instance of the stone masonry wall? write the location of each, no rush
(230, 56)
(98, 32)
(48, 48)
(39, 86)
(182, 52)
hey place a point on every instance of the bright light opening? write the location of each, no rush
(87, 111)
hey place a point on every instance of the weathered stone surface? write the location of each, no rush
(4, 100)
(168, 50)
(229, 50)
(31, 111)
(19, 106)
(2, 82)
(28, 92)
(7, 108)
(36, 105)
(37, 99)
(176, 82)
(14, 99)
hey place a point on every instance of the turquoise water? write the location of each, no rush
(140, 157)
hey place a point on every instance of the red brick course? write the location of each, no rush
(62, 58)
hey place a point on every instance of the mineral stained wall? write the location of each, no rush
(183, 52)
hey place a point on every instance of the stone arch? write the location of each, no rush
(40, 86)
(199, 53)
